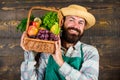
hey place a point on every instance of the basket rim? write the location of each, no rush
(59, 14)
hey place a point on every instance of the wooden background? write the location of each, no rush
(105, 35)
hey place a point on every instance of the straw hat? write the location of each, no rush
(80, 11)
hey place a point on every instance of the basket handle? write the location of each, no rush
(44, 8)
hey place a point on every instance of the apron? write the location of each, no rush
(52, 69)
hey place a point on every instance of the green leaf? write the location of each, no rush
(49, 19)
(22, 25)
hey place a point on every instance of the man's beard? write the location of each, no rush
(71, 38)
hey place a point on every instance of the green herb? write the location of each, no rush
(22, 25)
(49, 19)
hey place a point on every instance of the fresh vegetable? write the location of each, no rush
(55, 29)
(44, 28)
(22, 25)
(49, 19)
(37, 19)
(37, 22)
(44, 34)
(32, 30)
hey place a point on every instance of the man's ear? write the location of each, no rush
(62, 22)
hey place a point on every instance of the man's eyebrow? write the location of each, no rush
(79, 20)
(72, 17)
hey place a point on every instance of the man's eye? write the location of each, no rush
(81, 23)
(71, 20)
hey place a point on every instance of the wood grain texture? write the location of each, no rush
(105, 35)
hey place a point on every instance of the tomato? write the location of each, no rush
(37, 24)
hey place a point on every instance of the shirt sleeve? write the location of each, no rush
(89, 69)
(28, 70)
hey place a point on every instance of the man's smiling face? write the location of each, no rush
(73, 28)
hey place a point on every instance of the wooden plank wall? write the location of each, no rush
(105, 35)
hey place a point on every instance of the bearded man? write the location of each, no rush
(73, 59)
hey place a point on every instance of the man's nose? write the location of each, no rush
(76, 25)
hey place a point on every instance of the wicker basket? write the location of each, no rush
(38, 45)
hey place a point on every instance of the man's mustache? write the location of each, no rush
(72, 28)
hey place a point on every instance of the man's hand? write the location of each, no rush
(58, 55)
(22, 41)
(31, 53)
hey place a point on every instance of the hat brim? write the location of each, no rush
(90, 19)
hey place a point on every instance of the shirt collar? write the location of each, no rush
(75, 47)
